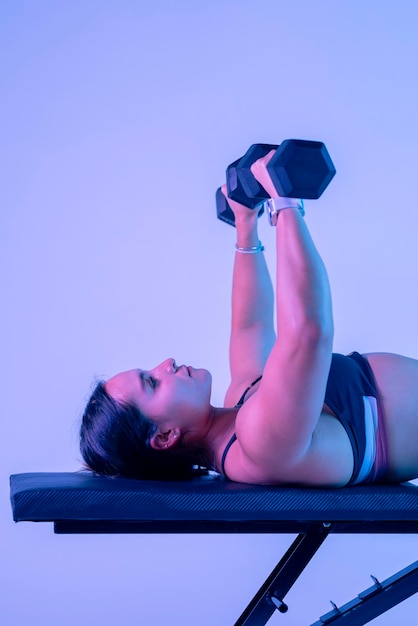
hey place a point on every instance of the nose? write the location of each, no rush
(168, 366)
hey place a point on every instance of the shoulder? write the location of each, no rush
(328, 461)
(241, 457)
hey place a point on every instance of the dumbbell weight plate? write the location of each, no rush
(301, 169)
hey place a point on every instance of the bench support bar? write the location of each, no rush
(271, 594)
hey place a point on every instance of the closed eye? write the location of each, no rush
(147, 380)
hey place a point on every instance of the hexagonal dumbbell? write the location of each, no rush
(298, 169)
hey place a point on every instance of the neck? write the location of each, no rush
(222, 426)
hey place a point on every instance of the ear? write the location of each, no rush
(166, 440)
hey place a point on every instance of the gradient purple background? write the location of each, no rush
(118, 119)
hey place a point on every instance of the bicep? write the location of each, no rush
(249, 350)
(277, 427)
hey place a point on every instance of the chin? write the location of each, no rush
(203, 374)
(196, 371)
(207, 374)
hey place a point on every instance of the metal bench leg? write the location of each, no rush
(271, 594)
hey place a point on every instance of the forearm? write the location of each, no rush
(303, 295)
(252, 290)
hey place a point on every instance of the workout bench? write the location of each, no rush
(85, 503)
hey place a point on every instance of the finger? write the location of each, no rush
(260, 173)
(258, 167)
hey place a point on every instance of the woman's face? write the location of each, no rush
(167, 394)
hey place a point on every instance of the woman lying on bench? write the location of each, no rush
(294, 412)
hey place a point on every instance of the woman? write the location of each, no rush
(294, 413)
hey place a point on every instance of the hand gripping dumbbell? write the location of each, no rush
(298, 169)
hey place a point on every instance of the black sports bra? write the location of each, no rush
(234, 437)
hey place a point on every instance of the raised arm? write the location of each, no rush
(276, 425)
(252, 328)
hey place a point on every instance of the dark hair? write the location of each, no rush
(115, 441)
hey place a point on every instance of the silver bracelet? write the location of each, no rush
(275, 205)
(251, 249)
